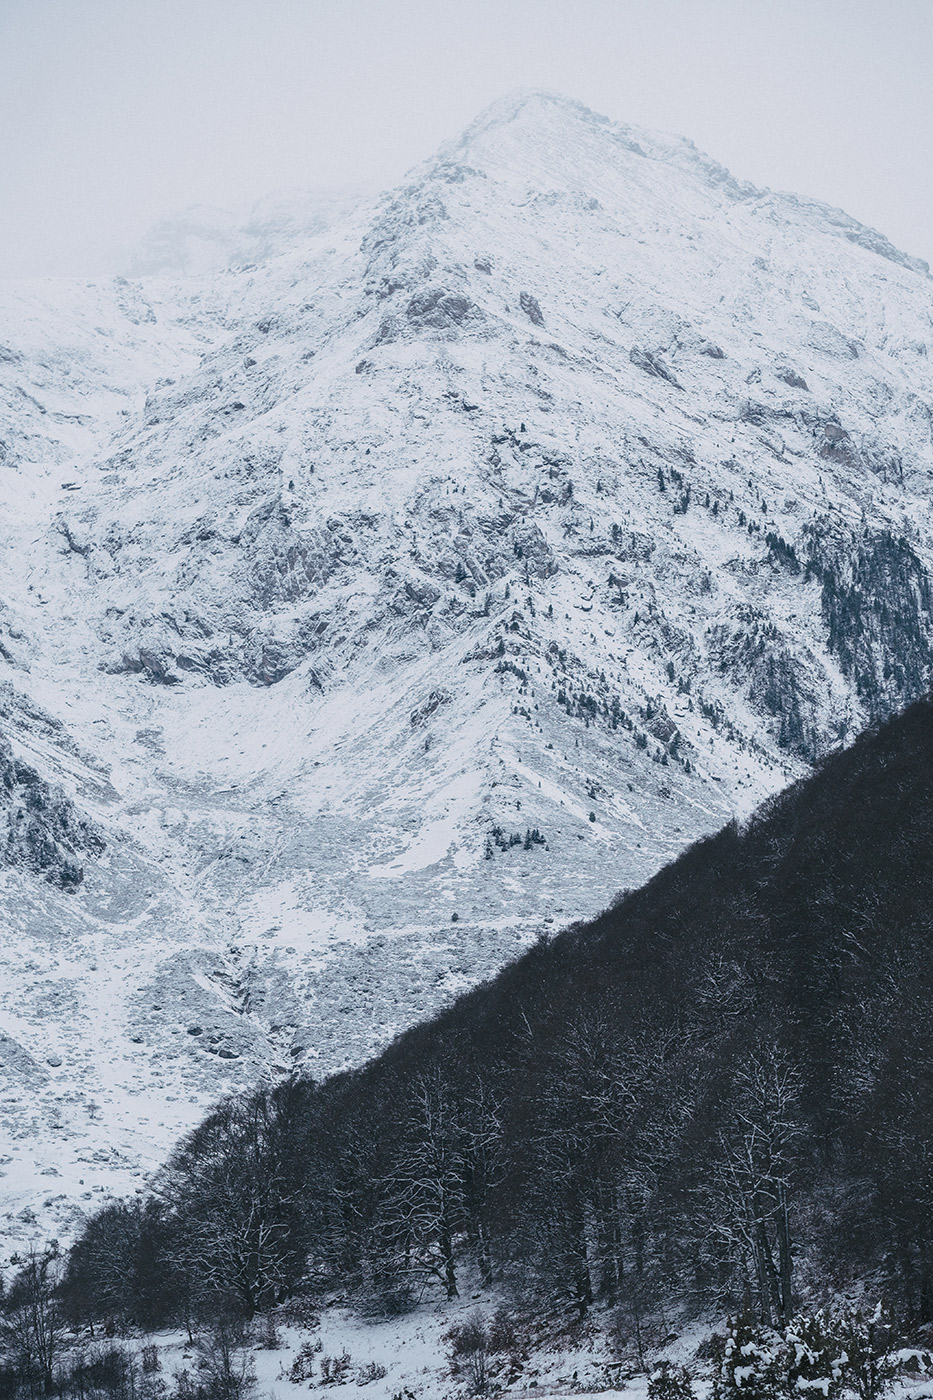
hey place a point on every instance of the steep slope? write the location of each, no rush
(426, 584)
(716, 1095)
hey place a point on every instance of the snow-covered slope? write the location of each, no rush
(369, 611)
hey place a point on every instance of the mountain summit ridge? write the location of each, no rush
(669, 148)
(470, 558)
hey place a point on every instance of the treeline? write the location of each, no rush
(718, 1094)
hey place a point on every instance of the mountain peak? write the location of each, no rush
(536, 136)
(532, 136)
(530, 103)
(530, 114)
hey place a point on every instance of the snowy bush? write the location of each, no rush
(267, 1333)
(670, 1382)
(751, 1363)
(818, 1357)
(868, 1341)
(302, 1367)
(150, 1359)
(372, 1371)
(816, 1360)
(335, 1370)
(225, 1367)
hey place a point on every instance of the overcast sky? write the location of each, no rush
(115, 113)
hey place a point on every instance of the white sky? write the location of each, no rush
(114, 113)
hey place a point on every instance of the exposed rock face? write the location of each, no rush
(877, 605)
(471, 557)
(44, 831)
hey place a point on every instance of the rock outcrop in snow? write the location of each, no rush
(44, 832)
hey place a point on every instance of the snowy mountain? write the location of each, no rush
(371, 610)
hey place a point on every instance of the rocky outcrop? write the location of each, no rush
(44, 831)
(877, 605)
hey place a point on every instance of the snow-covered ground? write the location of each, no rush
(466, 516)
(326, 1348)
(415, 1354)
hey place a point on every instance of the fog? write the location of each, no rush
(116, 113)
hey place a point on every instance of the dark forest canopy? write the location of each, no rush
(720, 1091)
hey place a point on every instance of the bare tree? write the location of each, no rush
(483, 1163)
(31, 1326)
(427, 1179)
(237, 1201)
(749, 1189)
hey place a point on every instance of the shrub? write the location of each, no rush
(815, 1360)
(670, 1382)
(867, 1341)
(225, 1367)
(751, 1363)
(302, 1367)
(335, 1370)
(372, 1371)
(267, 1333)
(502, 1335)
(468, 1344)
(150, 1359)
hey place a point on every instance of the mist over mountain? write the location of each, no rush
(203, 240)
(372, 608)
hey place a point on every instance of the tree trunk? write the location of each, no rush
(785, 1259)
(445, 1240)
(482, 1255)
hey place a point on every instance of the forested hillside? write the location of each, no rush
(717, 1093)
